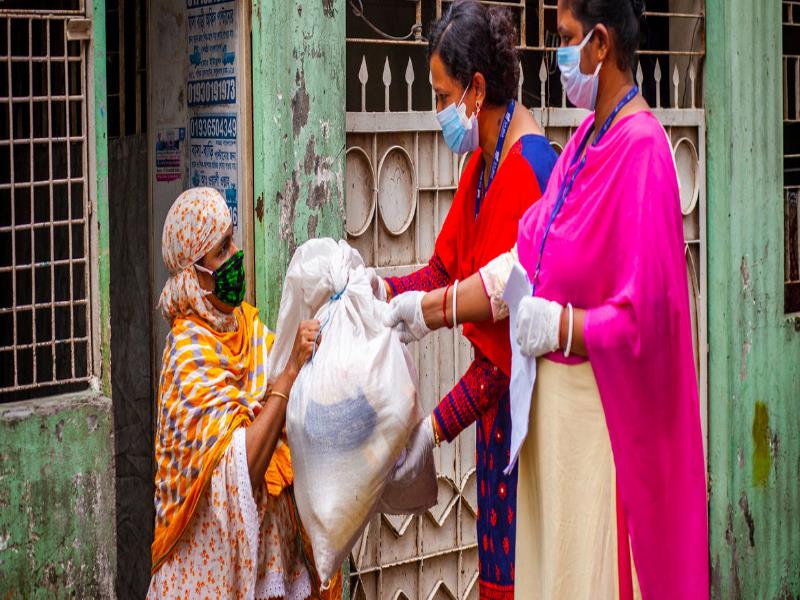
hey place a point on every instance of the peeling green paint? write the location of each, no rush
(299, 134)
(57, 536)
(762, 458)
(754, 352)
(57, 498)
(98, 66)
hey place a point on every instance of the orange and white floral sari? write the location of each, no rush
(216, 536)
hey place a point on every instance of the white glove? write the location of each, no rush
(378, 286)
(405, 315)
(416, 453)
(538, 322)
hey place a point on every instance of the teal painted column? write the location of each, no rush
(298, 133)
(754, 361)
(98, 75)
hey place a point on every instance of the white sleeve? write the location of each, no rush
(246, 501)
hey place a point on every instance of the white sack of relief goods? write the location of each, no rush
(353, 406)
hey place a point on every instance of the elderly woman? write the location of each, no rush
(225, 518)
(611, 494)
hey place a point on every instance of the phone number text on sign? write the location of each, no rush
(219, 127)
(214, 157)
(212, 91)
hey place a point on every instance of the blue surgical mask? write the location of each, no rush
(460, 133)
(581, 88)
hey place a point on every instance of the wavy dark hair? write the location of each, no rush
(472, 38)
(623, 18)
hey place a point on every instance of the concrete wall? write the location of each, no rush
(168, 69)
(57, 537)
(298, 133)
(167, 66)
(57, 498)
(754, 361)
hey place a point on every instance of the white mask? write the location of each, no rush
(460, 132)
(581, 88)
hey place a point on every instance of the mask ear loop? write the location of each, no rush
(580, 49)
(586, 40)
(461, 103)
(464, 95)
(203, 269)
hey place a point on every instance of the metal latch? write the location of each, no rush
(79, 29)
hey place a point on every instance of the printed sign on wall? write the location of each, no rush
(168, 153)
(212, 41)
(212, 94)
(214, 157)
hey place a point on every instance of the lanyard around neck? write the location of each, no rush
(501, 139)
(566, 184)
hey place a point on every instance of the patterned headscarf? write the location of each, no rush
(195, 223)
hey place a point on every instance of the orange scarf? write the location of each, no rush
(211, 383)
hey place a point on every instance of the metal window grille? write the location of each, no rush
(45, 215)
(126, 42)
(49, 6)
(400, 180)
(791, 153)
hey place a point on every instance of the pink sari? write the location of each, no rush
(616, 249)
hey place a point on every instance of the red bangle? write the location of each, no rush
(444, 306)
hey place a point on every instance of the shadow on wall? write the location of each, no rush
(130, 361)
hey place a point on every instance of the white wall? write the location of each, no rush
(168, 70)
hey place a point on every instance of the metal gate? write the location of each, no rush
(46, 216)
(400, 180)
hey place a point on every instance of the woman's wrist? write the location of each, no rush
(563, 324)
(286, 379)
(432, 309)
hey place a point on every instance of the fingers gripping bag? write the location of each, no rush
(353, 405)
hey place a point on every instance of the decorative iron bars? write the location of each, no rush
(45, 317)
(667, 68)
(791, 153)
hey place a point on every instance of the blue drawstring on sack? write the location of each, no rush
(331, 300)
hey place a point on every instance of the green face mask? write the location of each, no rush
(229, 281)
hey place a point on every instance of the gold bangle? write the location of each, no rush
(278, 394)
(436, 439)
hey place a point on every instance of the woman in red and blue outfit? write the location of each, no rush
(475, 71)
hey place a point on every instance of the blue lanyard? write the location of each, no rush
(566, 185)
(501, 139)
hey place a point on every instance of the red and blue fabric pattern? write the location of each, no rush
(464, 245)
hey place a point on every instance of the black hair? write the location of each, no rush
(622, 18)
(472, 38)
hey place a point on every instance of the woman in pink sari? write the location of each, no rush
(611, 492)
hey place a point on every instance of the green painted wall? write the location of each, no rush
(57, 498)
(298, 133)
(57, 537)
(98, 74)
(298, 136)
(754, 361)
